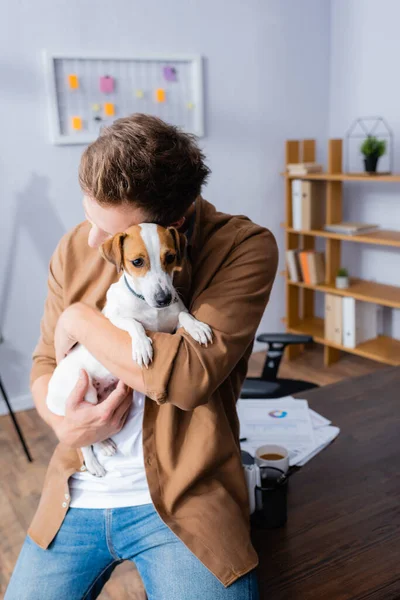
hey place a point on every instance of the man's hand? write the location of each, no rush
(85, 424)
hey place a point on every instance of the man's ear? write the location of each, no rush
(180, 243)
(113, 250)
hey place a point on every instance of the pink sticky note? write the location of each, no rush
(106, 84)
(169, 73)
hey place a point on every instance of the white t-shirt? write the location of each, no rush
(125, 482)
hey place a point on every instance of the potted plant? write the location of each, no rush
(342, 279)
(372, 149)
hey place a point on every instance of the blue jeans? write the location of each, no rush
(92, 542)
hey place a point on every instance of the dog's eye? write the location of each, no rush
(138, 262)
(169, 259)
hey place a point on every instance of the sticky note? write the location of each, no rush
(160, 95)
(190, 105)
(139, 93)
(106, 84)
(109, 109)
(76, 123)
(73, 82)
(169, 73)
(95, 107)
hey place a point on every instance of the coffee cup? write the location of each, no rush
(272, 455)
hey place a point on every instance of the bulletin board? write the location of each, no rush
(88, 93)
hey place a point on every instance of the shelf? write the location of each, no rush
(382, 349)
(368, 291)
(300, 296)
(346, 177)
(381, 237)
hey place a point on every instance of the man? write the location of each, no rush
(175, 501)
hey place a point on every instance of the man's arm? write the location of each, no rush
(183, 372)
(83, 424)
(39, 393)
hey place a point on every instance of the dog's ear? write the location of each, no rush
(180, 243)
(113, 250)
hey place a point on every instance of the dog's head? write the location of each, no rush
(149, 255)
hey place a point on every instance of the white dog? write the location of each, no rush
(143, 298)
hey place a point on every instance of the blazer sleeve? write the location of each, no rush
(185, 373)
(44, 359)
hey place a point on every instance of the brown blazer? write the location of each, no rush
(191, 453)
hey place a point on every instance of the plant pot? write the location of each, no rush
(370, 163)
(342, 283)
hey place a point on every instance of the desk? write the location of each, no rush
(342, 538)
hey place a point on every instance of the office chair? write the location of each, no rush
(15, 422)
(269, 385)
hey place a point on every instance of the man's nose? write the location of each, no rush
(162, 298)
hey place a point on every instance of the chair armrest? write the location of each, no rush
(283, 338)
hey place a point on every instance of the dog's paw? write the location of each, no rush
(107, 447)
(93, 465)
(142, 350)
(201, 332)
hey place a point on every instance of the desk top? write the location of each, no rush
(342, 538)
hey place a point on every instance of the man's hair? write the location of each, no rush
(143, 161)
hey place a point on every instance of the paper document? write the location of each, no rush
(285, 421)
(323, 437)
(277, 422)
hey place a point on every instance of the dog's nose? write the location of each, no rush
(163, 298)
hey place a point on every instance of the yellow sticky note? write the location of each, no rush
(109, 109)
(76, 123)
(95, 107)
(160, 95)
(73, 82)
(139, 93)
(190, 105)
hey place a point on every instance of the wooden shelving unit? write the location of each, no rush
(300, 316)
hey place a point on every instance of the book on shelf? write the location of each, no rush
(305, 273)
(307, 204)
(304, 168)
(316, 267)
(348, 228)
(333, 318)
(293, 267)
(311, 266)
(360, 322)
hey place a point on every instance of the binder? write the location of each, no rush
(311, 205)
(333, 319)
(296, 204)
(349, 322)
(360, 322)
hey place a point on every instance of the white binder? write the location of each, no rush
(360, 322)
(296, 204)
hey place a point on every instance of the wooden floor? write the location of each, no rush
(21, 482)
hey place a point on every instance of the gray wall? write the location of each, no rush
(365, 44)
(267, 76)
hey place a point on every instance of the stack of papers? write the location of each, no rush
(287, 422)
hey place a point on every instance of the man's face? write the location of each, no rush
(106, 221)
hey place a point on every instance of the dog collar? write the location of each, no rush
(132, 290)
(139, 295)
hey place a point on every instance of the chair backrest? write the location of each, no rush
(276, 344)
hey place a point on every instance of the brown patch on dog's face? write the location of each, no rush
(172, 249)
(112, 250)
(136, 256)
